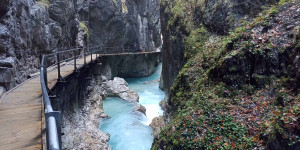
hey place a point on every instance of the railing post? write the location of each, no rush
(58, 67)
(75, 68)
(84, 55)
(96, 51)
(45, 71)
(91, 54)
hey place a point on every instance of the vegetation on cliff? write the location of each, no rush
(239, 89)
(85, 28)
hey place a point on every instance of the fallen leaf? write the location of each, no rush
(255, 139)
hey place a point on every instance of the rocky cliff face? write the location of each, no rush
(31, 28)
(239, 83)
(179, 18)
(123, 23)
(132, 66)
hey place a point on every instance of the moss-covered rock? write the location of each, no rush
(239, 91)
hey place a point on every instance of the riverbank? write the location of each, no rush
(130, 129)
(81, 125)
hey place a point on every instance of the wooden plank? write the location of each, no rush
(23, 144)
(24, 135)
(16, 110)
(15, 121)
(19, 128)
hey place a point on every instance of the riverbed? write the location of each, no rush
(130, 130)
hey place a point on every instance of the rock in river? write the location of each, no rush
(140, 108)
(157, 124)
(119, 88)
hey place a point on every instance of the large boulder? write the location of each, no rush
(6, 77)
(119, 88)
(157, 124)
(7, 62)
(140, 108)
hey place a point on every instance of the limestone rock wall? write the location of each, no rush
(31, 28)
(123, 23)
(132, 66)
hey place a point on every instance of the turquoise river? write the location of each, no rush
(130, 130)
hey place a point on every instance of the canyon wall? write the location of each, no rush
(179, 18)
(122, 23)
(31, 28)
(229, 66)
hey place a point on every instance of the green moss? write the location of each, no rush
(262, 80)
(282, 2)
(45, 2)
(195, 42)
(297, 39)
(182, 12)
(86, 29)
(124, 7)
(177, 12)
(199, 127)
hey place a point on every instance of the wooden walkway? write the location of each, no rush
(21, 112)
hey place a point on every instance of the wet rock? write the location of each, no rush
(157, 124)
(140, 108)
(130, 96)
(103, 115)
(105, 70)
(163, 104)
(119, 88)
(104, 78)
(161, 83)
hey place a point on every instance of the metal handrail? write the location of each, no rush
(52, 134)
(53, 118)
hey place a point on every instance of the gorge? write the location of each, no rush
(168, 74)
